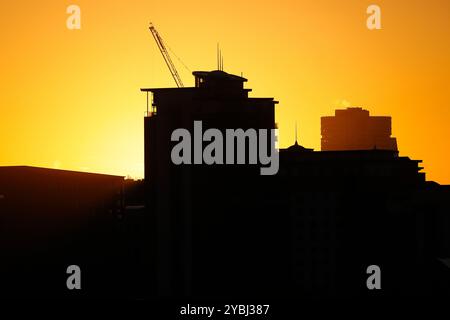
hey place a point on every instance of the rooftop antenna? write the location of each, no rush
(296, 140)
(219, 58)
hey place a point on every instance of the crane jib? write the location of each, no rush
(162, 48)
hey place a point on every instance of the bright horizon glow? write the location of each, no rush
(71, 98)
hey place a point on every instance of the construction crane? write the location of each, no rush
(166, 56)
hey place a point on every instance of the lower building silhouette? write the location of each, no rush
(51, 219)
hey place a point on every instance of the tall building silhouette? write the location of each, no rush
(355, 129)
(198, 212)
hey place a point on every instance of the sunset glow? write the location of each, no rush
(71, 98)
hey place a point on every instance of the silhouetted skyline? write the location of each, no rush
(224, 231)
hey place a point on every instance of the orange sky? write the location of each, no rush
(70, 98)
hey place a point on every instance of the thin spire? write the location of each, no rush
(219, 58)
(296, 137)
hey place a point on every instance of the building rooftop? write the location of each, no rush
(51, 170)
(218, 74)
(217, 78)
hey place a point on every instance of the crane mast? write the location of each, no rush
(166, 56)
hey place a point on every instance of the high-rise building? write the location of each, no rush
(198, 213)
(355, 129)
